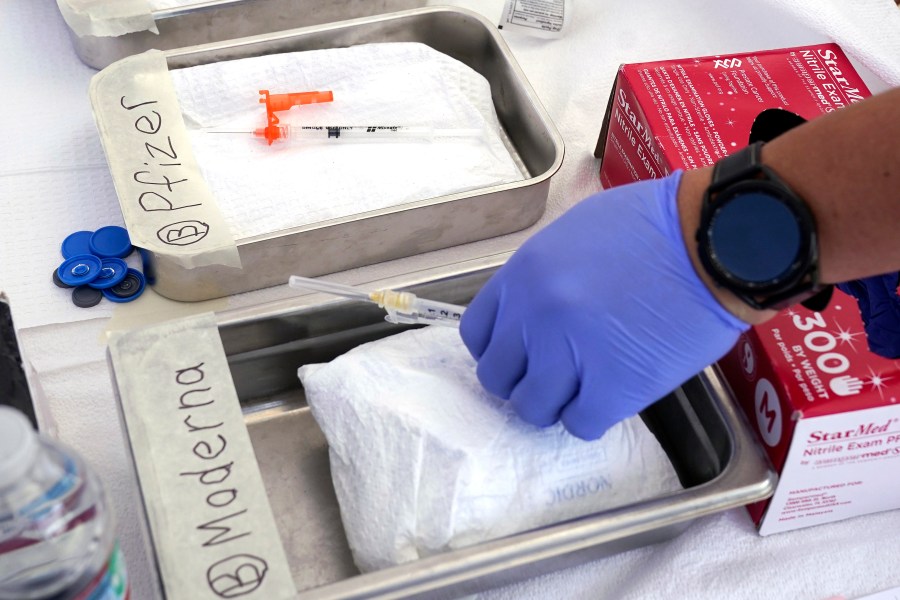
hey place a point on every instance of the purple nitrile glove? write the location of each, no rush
(879, 306)
(599, 314)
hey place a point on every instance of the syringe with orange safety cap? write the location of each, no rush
(358, 133)
(274, 131)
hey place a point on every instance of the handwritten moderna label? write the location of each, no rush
(213, 530)
(168, 206)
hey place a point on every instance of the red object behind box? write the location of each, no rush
(688, 113)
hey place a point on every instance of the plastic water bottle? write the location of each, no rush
(57, 539)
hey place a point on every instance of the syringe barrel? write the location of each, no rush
(379, 133)
(439, 313)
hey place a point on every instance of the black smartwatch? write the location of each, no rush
(757, 237)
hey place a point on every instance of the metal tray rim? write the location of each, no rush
(399, 208)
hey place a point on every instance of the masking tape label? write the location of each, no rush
(107, 18)
(168, 207)
(212, 526)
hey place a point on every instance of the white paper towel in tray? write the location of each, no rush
(423, 460)
(262, 189)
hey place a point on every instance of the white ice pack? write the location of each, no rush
(424, 460)
(262, 189)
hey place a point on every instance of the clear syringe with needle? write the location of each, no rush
(401, 307)
(292, 134)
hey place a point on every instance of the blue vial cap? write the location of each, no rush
(111, 242)
(77, 243)
(128, 289)
(79, 270)
(112, 272)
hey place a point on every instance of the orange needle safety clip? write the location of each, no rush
(280, 102)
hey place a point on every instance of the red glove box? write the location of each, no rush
(826, 409)
(688, 113)
(827, 413)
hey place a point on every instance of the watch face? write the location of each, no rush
(756, 239)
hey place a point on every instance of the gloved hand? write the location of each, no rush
(599, 314)
(879, 306)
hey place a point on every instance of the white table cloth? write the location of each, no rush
(54, 180)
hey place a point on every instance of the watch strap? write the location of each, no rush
(743, 164)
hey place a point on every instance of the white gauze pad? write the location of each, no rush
(263, 189)
(424, 460)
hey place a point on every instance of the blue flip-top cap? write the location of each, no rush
(128, 289)
(79, 270)
(77, 243)
(111, 242)
(112, 272)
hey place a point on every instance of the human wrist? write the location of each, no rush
(690, 197)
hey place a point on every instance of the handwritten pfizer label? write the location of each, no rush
(168, 207)
(213, 530)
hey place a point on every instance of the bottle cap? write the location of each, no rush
(112, 272)
(76, 243)
(111, 242)
(57, 281)
(84, 296)
(18, 445)
(79, 269)
(128, 289)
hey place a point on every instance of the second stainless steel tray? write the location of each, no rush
(699, 427)
(399, 231)
(218, 20)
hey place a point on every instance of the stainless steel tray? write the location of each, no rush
(408, 229)
(699, 426)
(217, 20)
